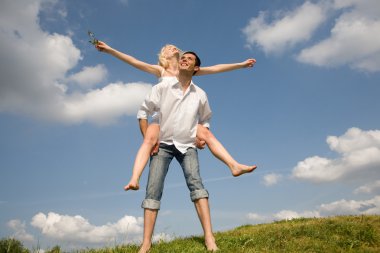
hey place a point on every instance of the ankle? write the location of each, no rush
(145, 247)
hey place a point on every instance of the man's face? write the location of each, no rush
(187, 62)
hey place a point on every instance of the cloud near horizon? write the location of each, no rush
(359, 159)
(78, 230)
(35, 74)
(341, 207)
(354, 38)
(19, 229)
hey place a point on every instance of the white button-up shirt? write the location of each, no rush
(179, 112)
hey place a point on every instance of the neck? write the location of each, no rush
(173, 64)
(184, 78)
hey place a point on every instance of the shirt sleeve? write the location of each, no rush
(205, 112)
(150, 104)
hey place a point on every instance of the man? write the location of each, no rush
(181, 105)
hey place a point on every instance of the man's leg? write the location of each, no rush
(203, 211)
(198, 194)
(150, 216)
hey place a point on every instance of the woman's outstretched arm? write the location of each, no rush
(225, 67)
(146, 67)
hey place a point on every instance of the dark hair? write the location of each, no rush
(197, 59)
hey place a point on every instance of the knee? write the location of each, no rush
(197, 195)
(150, 140)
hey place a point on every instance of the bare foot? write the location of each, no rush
(145, 248)
(210, 244)
(241, 169)
(132, 185)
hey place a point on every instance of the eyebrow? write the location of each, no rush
(188, 56)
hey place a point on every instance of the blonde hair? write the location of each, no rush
(162, 61)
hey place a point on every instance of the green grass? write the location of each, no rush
(334, 234)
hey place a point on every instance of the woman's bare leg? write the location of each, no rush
(142, 157)
(221, 153)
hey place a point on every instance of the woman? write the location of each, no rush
(167, 67)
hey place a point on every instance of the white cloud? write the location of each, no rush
(162, 237)
(369, 188)
(354, 140)
(288, 215)
(19, 229)
(272, 179)
(341, 207)
(76, 229)
(35, 66)
(351, 207)
(283, 33)
(103, 106)
(89, 76)
(354, 39)
(255, 217)
(359, 158)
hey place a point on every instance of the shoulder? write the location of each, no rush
(166, 82)
(199, 90)
(200, 93)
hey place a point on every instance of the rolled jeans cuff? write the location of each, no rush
(151, 204)
(198, 194)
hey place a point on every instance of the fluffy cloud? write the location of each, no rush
(369, 188)
(351, 207)
(76, 232)
(288, 215)
(19, 229)
(162, 237)
(288, 30)
(34, 73)
(256, 217)
(76, 229)
(89, 76)
(341, 207)
(354, 37)
(103, 106)
(359, 157)
(272, 179)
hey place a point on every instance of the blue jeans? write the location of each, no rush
(158, 168)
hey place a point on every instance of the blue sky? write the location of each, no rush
(307, 114)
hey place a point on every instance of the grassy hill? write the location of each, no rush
(334, 234)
